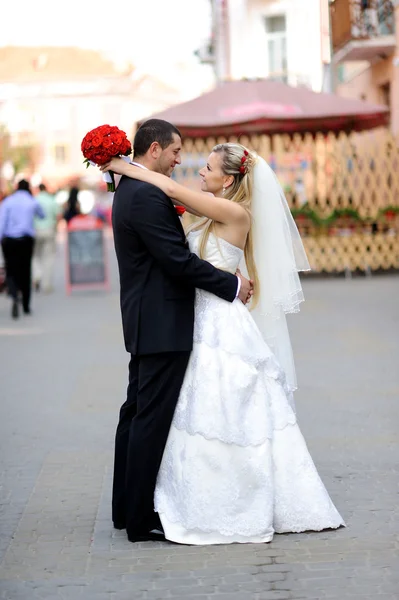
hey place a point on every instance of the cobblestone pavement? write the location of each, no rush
(63, 377)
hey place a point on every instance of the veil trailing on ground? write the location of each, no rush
(279, 256)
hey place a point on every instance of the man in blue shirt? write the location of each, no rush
(17, 233)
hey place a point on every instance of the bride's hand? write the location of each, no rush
(117, 165)
(247, 288)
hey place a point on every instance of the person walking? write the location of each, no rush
(45, 242)
(72, 206)
(17, 236)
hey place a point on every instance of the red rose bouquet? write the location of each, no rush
(103, 143)
(180, 210)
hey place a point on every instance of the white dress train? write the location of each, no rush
(236, 467)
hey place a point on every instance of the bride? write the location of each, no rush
(236, 467)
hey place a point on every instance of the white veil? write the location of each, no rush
(279, 256)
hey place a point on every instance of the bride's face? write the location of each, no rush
(212, 176)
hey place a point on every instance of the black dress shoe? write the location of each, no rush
(119, 525)
(27, 311)
(155, 535)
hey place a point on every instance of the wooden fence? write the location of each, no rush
(343, 191)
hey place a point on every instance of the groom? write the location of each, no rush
(158, 276)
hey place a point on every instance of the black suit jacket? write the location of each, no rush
(158, 273)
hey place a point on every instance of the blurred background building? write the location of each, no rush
(50, 97)
(285, 40)
(67, 69)
(90, 72)
(365, 43)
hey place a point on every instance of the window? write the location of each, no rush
(385, 94)
(60, 154)
(340, 71)
(277, 47)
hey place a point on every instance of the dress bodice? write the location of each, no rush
(220, 253)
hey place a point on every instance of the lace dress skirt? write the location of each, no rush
(236, 467)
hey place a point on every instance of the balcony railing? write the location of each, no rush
(357, 20)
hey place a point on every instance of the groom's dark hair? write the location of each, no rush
(153, 130)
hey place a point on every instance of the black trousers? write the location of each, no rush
(144, 422)
(17, 254)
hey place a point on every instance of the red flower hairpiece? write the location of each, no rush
(243, 169)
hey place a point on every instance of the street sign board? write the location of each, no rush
(86, 259)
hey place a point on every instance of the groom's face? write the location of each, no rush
(169, 157)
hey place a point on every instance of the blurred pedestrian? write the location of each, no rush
(17, 233)
(45, 242)
(100, 208)
(3, 286)
(72, 205)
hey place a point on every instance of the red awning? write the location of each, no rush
(264, 106)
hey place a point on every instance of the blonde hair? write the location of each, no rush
(237, 161)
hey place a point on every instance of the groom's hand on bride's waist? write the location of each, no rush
(245, 288)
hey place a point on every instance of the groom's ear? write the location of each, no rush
(155, 150)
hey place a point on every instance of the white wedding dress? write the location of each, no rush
(236, 467)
